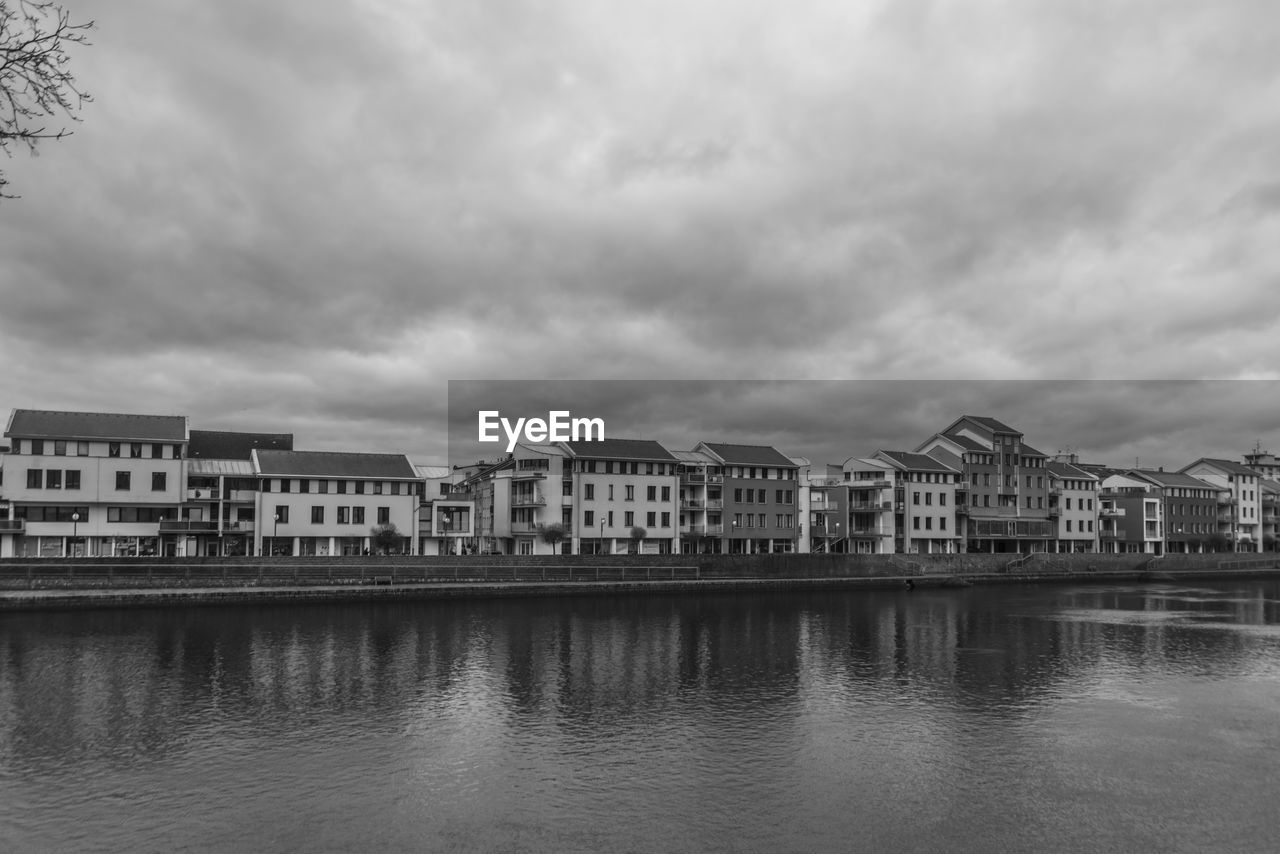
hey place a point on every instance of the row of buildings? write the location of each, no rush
(78, 483)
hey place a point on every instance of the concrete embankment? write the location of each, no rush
(116, 583)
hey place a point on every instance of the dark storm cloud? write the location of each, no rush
(314, 214)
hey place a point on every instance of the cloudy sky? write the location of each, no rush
(310, 216)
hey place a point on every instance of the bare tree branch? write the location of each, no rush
(36, 83)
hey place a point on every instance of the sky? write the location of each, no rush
(311, 216)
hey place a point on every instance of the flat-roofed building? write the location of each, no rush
(219, 512)
(330, 503)
(446, 513)
(91, 483)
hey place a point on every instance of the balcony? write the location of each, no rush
(1227, 501)
(868, 484)
(183, 526)
(1055, 511)
(203, 493)
(457, 528)
(871, 506)
(528, 499)
(1113, 534)
(825, 481)
(823, 505)
(867, 532)
(692, 477)
(12, 526)
(528, 474)
(526, 527)
(1111, 513)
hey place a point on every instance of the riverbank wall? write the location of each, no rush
(32, 584)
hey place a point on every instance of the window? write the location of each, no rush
(1068, 526)
(157, 451)
(589, 518)
(82, 449)
(282, 513)
(357, 515)
(304, 485)
(135, 450)
(777, 496)
(629, 518)
(790, 494)
(158, 480)
(342, 487)
(915, 498)
(317, 514)
(666, 493)
(113, 449)
(631, 493)
(589, 492)
(35, 478)
(609, 521)
(53, 479)
(737, 496)
(652, 493)
(928, 499)
(73, 478)
(37, 447)
(324, 486)
(760, 493)
(928, 523)
(344, 515)
(59, 447)
(286, 485)
(359, 487)
(942, 499)
(377, 487)
(177, 452)
(384, 515)
(122, 480)
(942, 524)
(651, 519)
(915, 522)
(666, 520)
(611, 492)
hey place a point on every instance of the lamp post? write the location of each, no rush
(735, 537)
(275, 532)
(831, 548)
(602, 533)
(75, 528)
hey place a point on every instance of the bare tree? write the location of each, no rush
(36, 83)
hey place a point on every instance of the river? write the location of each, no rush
(1021, 717)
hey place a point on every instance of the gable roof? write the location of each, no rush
(746, 455)
(45, 424)
(620, 449)
(227, 445)
(1226, 466)
(326, 464)
(987, 423)
(915, 462)
(1067, 470)
(1172, 478)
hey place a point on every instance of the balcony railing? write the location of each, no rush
(867, 484)
(173, 526)
(871, 506)
(692, 477)
(13, 525)
(203, 493)
(823, 505)
(1113, 534)
(528, 499)
(1111, 512)
(527, 474)
(825, 481)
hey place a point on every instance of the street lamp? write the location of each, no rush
(831, 548)
(601, 533)
(75, 527)
(275, 533)
(733, 542)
